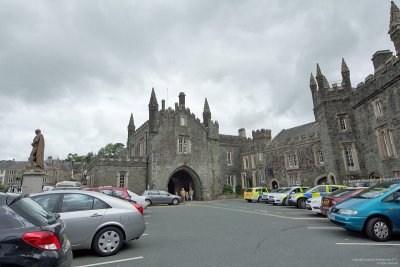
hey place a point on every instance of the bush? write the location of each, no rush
(239, 190)
(227, 190)
(3, 188)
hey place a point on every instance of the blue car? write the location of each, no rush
(375, 211)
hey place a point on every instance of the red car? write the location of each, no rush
(338, 196)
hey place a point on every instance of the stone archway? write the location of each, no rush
(323, 179)
(332, 179)
(187, 178)
(274, 184)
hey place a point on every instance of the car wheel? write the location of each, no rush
(259, 199)
(301, 203)
(378, 229)
(107, 241)
(248, 200)
(284, 202)
(148, 201)
(175, 201)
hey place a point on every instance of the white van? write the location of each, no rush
(68, 184)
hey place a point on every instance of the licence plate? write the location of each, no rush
(326, 202)
(331, 216)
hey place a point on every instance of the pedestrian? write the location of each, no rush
(190, 194)
(183, 194)
(187, 195)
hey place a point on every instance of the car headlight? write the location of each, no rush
(349, 212)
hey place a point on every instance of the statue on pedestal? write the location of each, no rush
(36, 158)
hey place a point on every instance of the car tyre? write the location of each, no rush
(148, 202)
(259, 199)
(284, 202)
(248, 200)
(378, 229)
(108, 241)
(175, 201)
(301, 203)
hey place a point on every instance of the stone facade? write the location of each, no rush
(355, 135)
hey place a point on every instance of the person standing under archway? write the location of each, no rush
(183, 194)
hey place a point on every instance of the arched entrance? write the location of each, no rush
(321, 180)
(274, 184)
(187, 178)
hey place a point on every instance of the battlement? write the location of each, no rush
(262, 134)
(385, 75)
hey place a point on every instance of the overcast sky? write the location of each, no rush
(78, 69)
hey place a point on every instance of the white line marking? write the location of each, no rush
(368, 244)
(147, 216)
(325, 227)
(145, 234)
(263, 213)
(146, 223)
(108, 262)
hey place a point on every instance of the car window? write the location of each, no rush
(321, 189)
(48, 202)
(76, 202)
(33, 212)
(154, 193)
(99, 204)
(117, 193)
(333, 188)
(248, 190)
(107, 192)
(264, 190)
(163, 193)
(392, 197)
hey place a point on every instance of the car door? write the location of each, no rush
(391, 208)
(82, 214)
(155, 196)
(164, 197)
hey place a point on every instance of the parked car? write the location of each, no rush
(31, 236)
(299, 200)
(281, 198)
(94, 220)
(314, 204)
(161, 197)
(254, 194)
(265, 196)
(124, 193)
(375, 210)
(338, 196)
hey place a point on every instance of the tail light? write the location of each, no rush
(44, 240)
(139, 207)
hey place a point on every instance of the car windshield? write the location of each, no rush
(311, 190)
(342, 192)
(286, 190)
(377, 190)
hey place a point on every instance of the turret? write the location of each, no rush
(182, 100)
(314, 89)
(153, 113)
(346, 83)
(394, 27)
(206, 114)
(323, 85)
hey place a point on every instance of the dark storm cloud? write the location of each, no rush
(92, 63)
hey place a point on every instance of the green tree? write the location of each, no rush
(111, 150)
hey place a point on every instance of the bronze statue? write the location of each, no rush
(37, 155)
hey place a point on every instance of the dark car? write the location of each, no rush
(31, 236)
(338, 196)
(161, 197)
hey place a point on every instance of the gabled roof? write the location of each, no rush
(308, 130)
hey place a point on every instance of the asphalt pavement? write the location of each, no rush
(237, 233)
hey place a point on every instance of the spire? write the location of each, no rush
(312, 81)
(344, 66)
(131, 125)
(153, 100)
(394, 18)
(206, 114)
(326, 83)
(319, 73)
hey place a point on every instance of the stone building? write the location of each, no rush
(355, 135)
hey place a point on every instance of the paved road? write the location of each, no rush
(236, 233)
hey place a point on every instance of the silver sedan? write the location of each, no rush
(94, 220)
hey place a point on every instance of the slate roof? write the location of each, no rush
(308, 130)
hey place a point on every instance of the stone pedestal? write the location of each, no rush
(32, 181)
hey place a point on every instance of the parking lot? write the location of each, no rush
(237, 233)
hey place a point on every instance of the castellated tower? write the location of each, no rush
(332, 111)
(394, 27)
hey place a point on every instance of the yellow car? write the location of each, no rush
(254, 194)
(299, 200)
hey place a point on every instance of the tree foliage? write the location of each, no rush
(111, 150)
